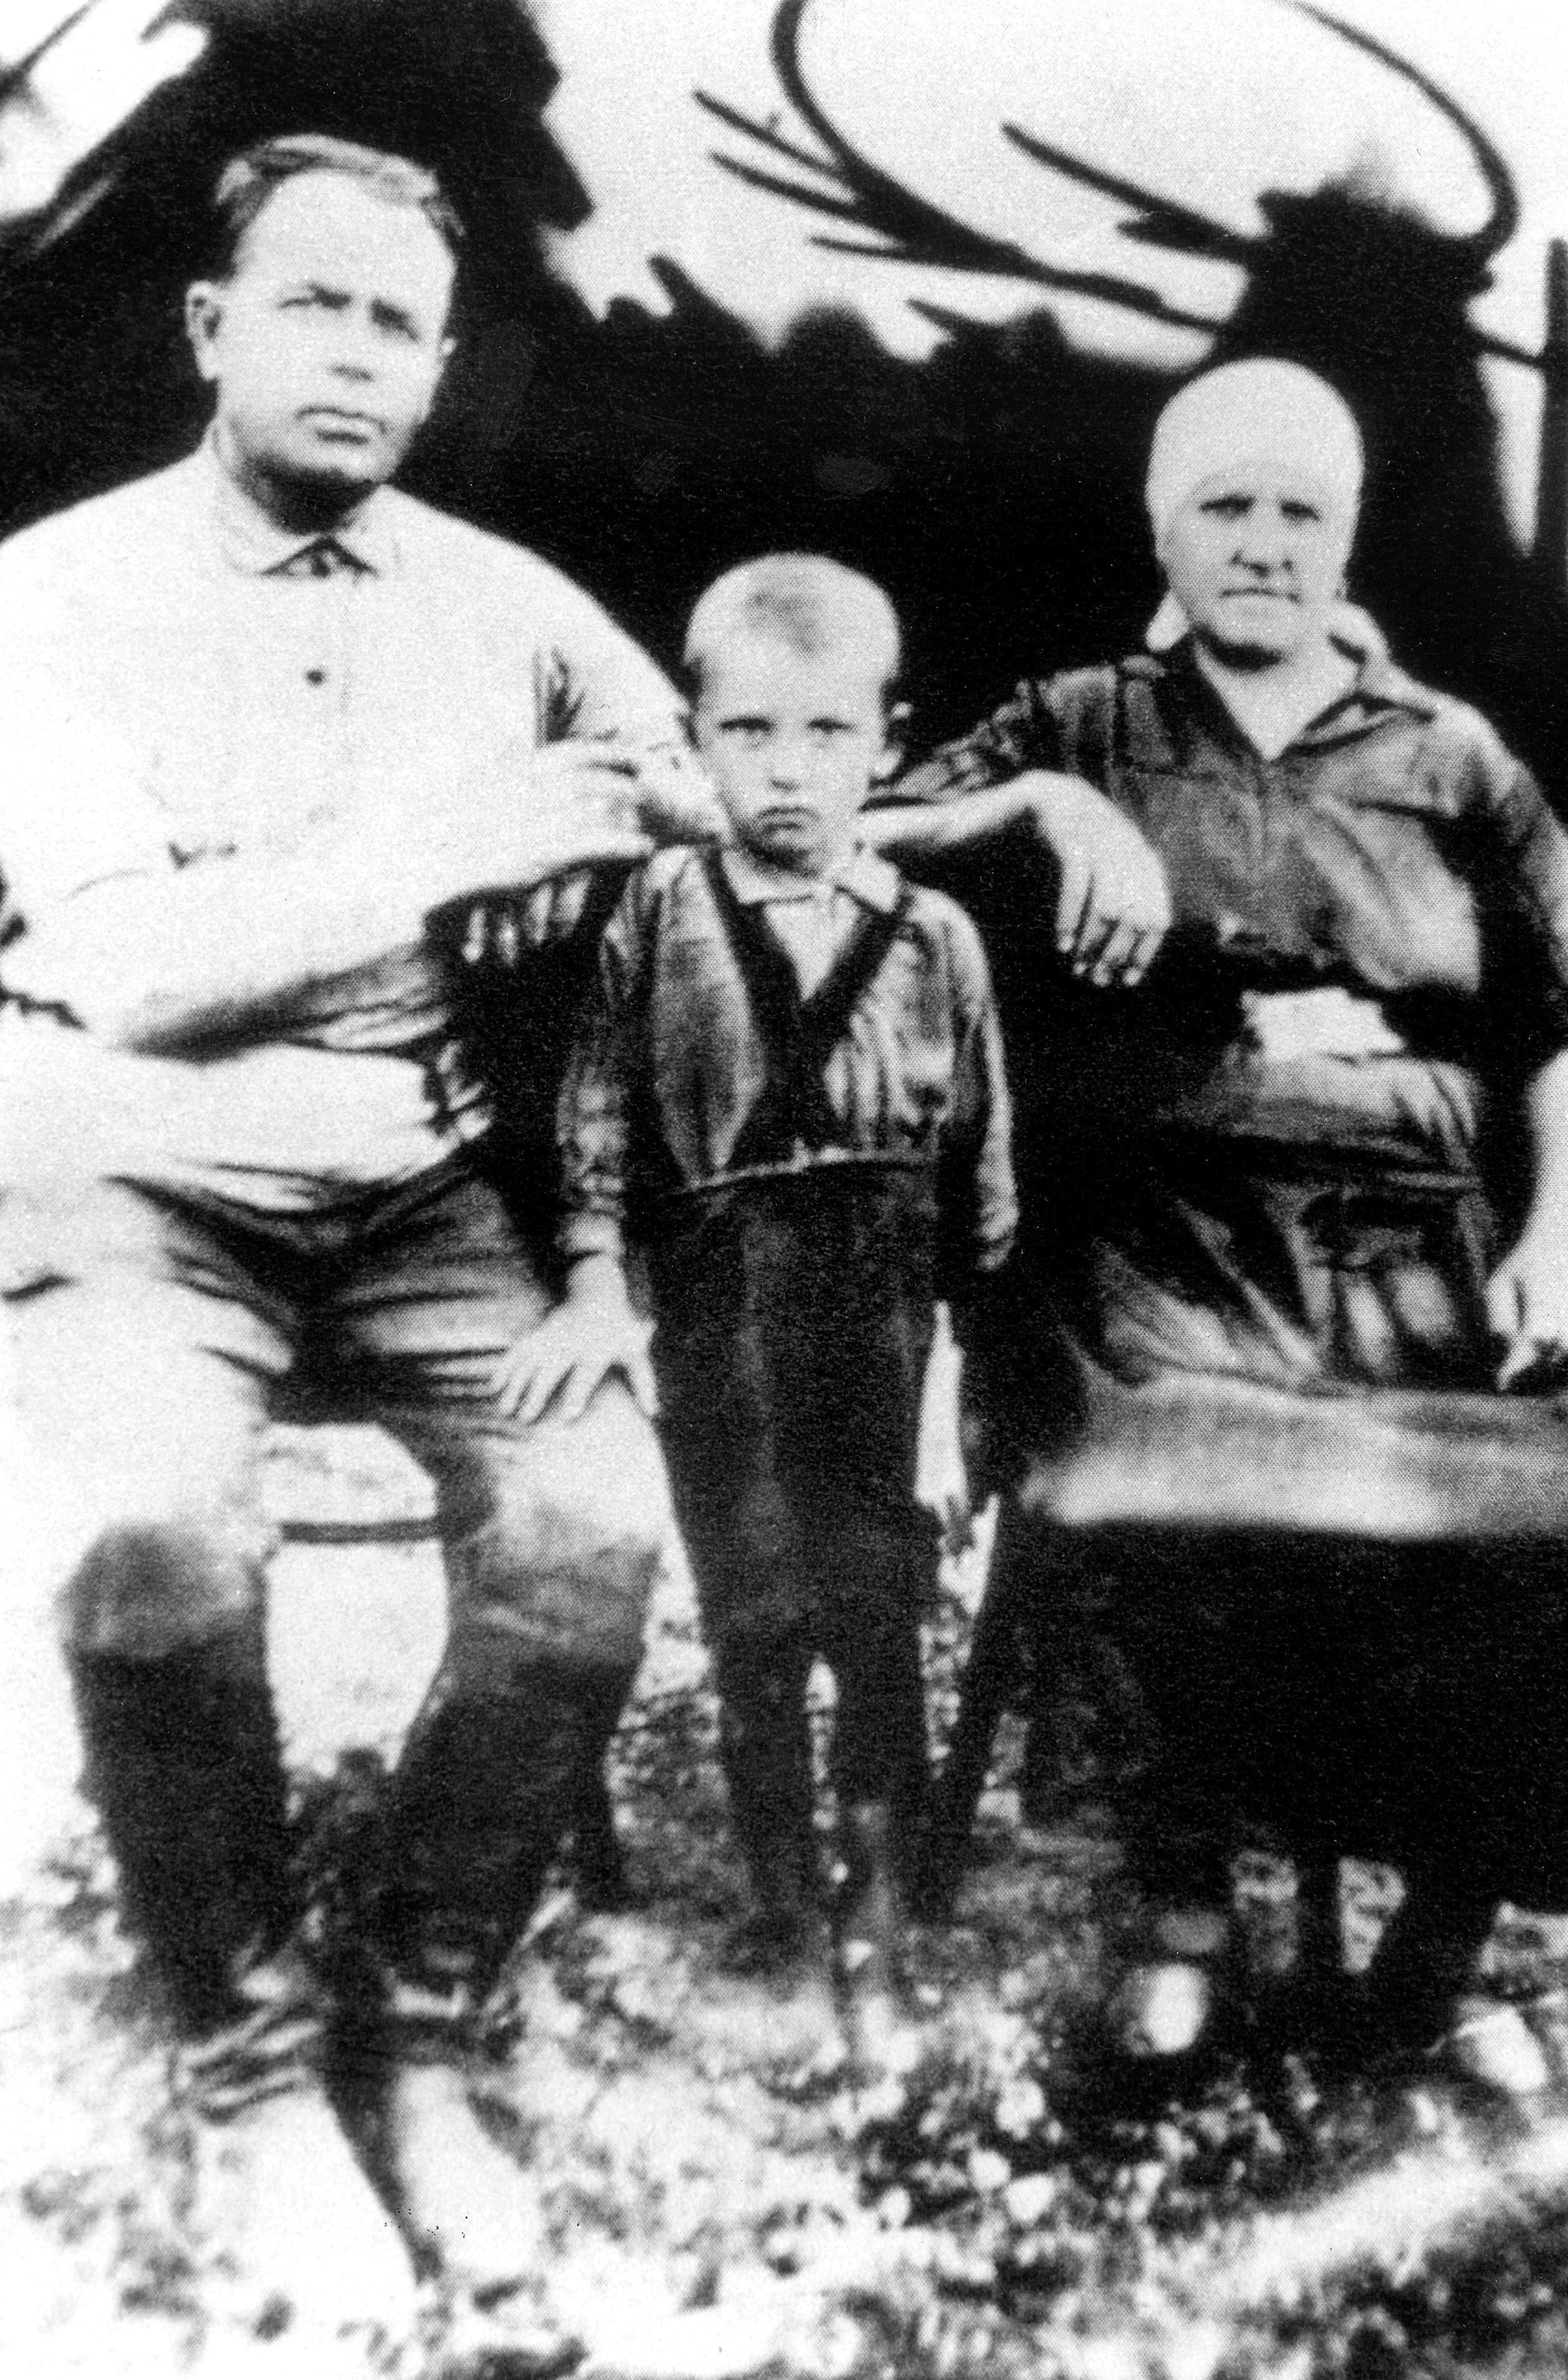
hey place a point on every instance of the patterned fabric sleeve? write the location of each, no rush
(979, 1194)
(1025, 733)
(1523, 889)
(594, 1113)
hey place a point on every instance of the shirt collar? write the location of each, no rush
(862, 873)
(1187, 700)
(250, 542)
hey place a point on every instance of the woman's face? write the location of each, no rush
(1256, 557)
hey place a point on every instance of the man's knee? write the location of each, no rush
(581, 1523)
(148, 1588)
(595, 1489)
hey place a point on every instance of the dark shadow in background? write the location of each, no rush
(994, 488)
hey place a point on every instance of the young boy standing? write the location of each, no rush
(789, 1085)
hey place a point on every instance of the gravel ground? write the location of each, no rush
(718, 2199)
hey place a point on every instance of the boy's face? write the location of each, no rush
(793, 743)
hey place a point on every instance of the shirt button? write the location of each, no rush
(315, 677)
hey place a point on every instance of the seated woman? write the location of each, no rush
(1260, 1414)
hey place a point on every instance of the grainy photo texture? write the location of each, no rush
(783, 1189)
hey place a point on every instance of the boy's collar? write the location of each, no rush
(861, 872)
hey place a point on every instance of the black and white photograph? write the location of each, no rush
(784, 1190)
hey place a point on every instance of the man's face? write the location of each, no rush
(792, 742)
(327, 341)
(1256, 557)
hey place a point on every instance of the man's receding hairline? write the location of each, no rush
(241, 244)
(251, 179)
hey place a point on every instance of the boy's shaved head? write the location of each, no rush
(802, 600)
(789, 660)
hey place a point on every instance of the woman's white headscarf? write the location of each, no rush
(1256, 411)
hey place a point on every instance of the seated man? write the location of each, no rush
(264, 715)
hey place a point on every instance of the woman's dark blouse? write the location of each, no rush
(1395, 850)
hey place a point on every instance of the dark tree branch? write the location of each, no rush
(15, 81)
(901, 227)
(1162, 222)
(1503, 221)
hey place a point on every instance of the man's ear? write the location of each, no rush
(203, 312)
(447, 349)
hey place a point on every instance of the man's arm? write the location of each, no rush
(164, 957)
(595, 685)
(559, 1366)
(152, 953)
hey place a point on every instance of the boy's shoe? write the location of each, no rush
(1164, 2003)
(774, 1941)
(884, 2038)
(1161, 2008)
(782, 1977)
(783, 1930)
(1489, 2044)
(471, 2212)
(1421, 2005)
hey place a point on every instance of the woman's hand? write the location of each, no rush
(1527, 1296)
(1114, 908)
(560, 1367)
(1113, 904)
(1527, 1307)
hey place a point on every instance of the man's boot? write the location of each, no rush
(301, 2237)
(472, 2212)
(599, 1868)
(491, 1781)
(183, 1762)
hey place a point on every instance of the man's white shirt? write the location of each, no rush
(180, 679)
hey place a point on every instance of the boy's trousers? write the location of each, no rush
(793, 1321)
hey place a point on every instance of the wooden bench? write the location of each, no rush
(337, 1485)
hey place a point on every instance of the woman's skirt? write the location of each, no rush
(1248, 1335)
(1256, 1428)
